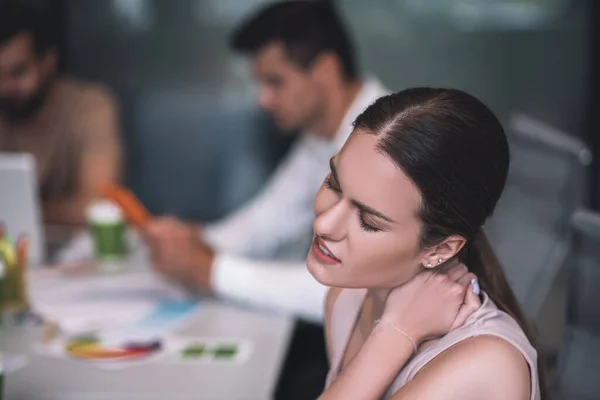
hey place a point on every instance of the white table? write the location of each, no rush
(63, 379)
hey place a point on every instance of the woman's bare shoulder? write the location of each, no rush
(479, 367)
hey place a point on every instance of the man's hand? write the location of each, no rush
(178, 252)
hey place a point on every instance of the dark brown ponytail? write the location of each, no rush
(481, 259)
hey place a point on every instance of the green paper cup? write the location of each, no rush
(107, 228)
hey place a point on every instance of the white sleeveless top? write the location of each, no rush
(487, 320)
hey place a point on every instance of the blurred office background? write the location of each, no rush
(198, 146)
(189, 104)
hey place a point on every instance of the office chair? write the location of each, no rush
(531, 226)
(578, 366)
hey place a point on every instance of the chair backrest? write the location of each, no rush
(198, 155)
(583, 309)
(578, 366)
(530, 228)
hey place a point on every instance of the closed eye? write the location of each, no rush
(332, 185)
(365, 225)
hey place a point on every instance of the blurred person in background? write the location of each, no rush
(308, 80)
(71, 128)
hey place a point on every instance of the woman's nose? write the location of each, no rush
(331, 223)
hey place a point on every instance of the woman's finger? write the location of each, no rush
(466, 279)
(470, 305)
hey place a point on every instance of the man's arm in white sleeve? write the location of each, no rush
(281, 212)
(284, 287)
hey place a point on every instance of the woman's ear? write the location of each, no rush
(444, 251)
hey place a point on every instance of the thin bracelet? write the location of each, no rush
(394, 327)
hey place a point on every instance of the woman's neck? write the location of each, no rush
(378, 297)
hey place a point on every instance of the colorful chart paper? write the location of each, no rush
(94, 350)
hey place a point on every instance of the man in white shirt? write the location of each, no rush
(304, 64)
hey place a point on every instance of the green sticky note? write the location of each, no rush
(226, 351)
(195, 350)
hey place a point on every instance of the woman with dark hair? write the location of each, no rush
(425, 311)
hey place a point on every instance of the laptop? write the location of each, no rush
(19, 205)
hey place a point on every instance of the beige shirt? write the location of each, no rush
(487, 320)
(61, 132)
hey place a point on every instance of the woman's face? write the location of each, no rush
(366, 219)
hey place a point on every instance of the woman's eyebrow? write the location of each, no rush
(362, 207)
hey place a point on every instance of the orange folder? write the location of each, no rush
(132, 207)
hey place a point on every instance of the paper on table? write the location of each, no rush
(164, 318)
(57, 349)
(13, 362)
(117, 309)
(171, 352)
(99, 302)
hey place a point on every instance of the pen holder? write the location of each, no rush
(1, 379)
(14, 296)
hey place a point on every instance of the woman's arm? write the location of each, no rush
(430, 305)
(374, 368)
(482, 367)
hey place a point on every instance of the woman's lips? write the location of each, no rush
(322, 253)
